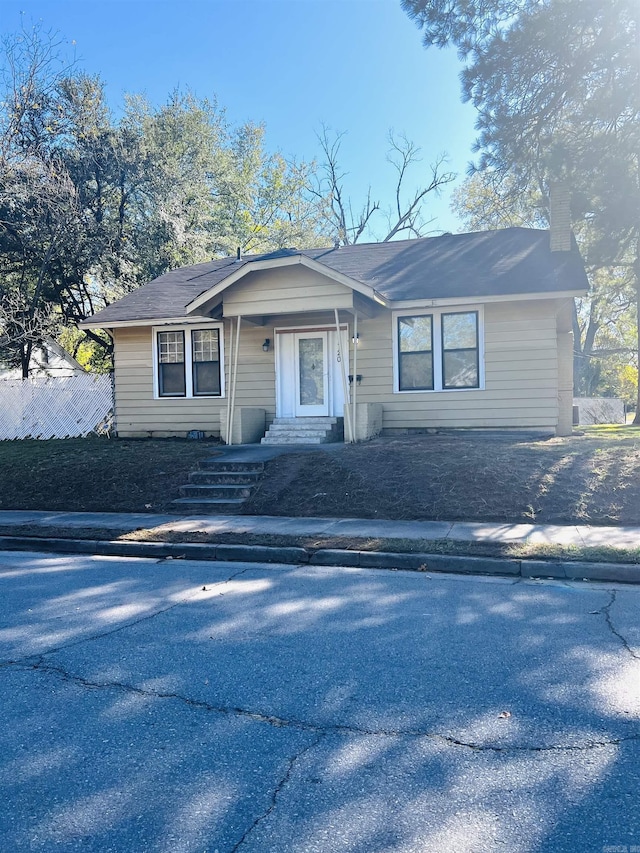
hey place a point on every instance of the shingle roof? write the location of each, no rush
(509, 262)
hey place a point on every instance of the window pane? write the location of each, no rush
(172, 381)
(311, 367)
(416, 371)
(171, 375)
(206, 362)
(415, 334)
(205, 345)
(206, 377)
(459, 331)
(170, 347)
(460, 369)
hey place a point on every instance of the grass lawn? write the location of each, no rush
(590, 478)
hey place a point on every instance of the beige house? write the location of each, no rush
(466, 330)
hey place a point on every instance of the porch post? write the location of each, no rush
(229, 384)
(233, 386)
(345, 384)
(354, 384)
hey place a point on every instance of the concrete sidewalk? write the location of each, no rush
(86, 525)
(457, 531)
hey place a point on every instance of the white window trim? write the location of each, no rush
(187, 329)
(437, 313)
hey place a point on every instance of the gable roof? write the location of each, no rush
(507, 262)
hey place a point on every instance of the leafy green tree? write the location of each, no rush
(37, 197)
(91, 208)
(557, 87)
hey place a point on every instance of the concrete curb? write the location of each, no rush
(564, 570)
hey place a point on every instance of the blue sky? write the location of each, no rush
(356, 65)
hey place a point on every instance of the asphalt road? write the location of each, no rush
(183, 706)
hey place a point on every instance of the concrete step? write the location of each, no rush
(221, 478)
(208, 491)
(312, 433)
(316, 430)
(240, 467)
(319, 428)
(294, 439)
(212, 506)
(315, 420)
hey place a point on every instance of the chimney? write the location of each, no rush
(560, 218)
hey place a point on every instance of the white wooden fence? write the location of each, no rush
(45, 407)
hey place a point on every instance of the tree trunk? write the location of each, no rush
(636, 420)
(25, 358)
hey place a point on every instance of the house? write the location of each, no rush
(48, 359)
(466, 330)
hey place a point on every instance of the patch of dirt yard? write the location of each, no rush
(97, 474)
(592, 478)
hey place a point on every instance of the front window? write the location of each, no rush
(206, 362)
(188, 362)
(438, 351)
(460, 368)
(415, 336)
(171, 364)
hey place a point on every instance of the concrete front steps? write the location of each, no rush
(304, 431)
(218, 486)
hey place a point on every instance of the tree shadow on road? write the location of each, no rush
(194, 706)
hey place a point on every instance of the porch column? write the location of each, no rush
(228, 386)
(233, 382)
(354, 384)
(345, 385)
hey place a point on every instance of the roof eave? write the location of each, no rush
(433, 302)
(147, 321)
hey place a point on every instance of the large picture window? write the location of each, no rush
(188, 362)
(438, 351)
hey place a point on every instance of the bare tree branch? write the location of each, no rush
(406, 214)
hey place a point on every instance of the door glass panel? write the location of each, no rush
(311, 371)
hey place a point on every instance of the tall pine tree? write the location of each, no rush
(556, 84)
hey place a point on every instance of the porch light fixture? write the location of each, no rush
(266, 344)
(358, 378)
(356, 339)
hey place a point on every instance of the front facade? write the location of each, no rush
(383, 336)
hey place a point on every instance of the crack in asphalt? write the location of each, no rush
(606, 612)
(38, 664)
(278, 788)
(125, 626)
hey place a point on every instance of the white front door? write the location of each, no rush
(311, 374)
(308, 373)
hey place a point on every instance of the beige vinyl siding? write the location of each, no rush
(521, 374)
(285, 291)
(137, 412)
